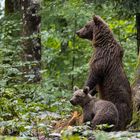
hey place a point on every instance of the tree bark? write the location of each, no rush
(138, 31)
(136, 84)
(31, 40)
(9, 7)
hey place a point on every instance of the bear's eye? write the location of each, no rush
(86, 26)
(77, 96)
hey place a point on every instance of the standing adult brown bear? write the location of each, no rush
(106, 69)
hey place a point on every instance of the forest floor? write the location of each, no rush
(52, 126)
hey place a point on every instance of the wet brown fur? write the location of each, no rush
(106, 69)
(94, 110)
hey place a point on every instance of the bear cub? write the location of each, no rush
(95, 110)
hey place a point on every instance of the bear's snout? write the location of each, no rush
(78, 33)
(81, 33)
(72, 102)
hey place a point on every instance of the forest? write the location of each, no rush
(42, 59)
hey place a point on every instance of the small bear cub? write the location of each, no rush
(95, 110)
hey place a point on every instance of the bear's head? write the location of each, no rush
(89, 30)
(80, 96)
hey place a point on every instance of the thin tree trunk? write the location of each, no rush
(138, 31)
(31, 40)
(73, 50)
(136, 84)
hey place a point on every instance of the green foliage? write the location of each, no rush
(121, 8)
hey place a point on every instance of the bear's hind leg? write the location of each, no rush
(103, 119)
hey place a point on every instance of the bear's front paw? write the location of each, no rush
(93, 91)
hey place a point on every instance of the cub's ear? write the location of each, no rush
(86, 89)
(75, 88)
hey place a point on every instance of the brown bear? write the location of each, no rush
(106, 69)
(94, 110)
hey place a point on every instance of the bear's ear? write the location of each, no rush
(96, 19)
(86, 89)
(75, 88)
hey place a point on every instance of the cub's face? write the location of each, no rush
(80, 97)
(87, 31)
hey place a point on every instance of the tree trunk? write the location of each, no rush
(138, 31)
(31, 40)
(136, 84)
(9, 7)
